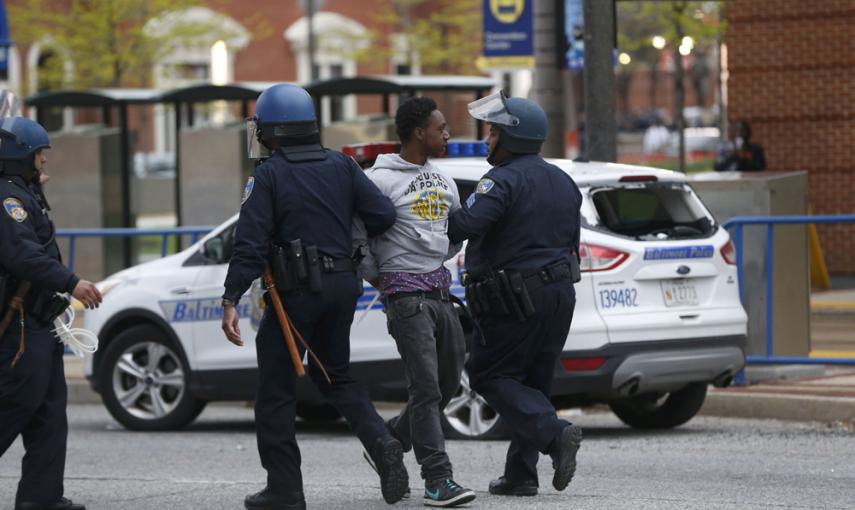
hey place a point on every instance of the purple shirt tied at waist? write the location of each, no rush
(392, 283)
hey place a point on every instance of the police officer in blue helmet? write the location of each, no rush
(298, 208)
(522, 223)
(33, 393)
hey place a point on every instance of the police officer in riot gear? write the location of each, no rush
(521, 262)
(297, 213)
(32, 379)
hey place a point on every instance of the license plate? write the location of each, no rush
(679, 292)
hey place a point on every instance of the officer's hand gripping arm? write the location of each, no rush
(375, 208)
(484, 211)
(367, 269)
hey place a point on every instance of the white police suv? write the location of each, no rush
(657, 319)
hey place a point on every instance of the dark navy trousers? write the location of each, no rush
(512, 367)
(324, 320)
(33, 397)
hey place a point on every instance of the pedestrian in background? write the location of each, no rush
(523, 224)
(297, 213)
(740, 154)
(33, 393)
(405, 263)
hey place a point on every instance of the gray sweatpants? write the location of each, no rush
(431, 343)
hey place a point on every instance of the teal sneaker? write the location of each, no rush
(446, 493)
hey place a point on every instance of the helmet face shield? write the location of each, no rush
(493, 109)
(10, 105)
(254, 148)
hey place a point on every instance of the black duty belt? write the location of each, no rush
(435, 294)
(330, 265)
(547, 275)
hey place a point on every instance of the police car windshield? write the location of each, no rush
(650, 212)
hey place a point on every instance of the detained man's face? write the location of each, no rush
(435, 134)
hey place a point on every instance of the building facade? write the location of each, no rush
(792, 77)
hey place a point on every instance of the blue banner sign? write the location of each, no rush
(508, 33)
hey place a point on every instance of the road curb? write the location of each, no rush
(779, 406)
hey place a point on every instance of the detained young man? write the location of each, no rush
(406, 265)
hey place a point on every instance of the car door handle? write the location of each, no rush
(181, 291)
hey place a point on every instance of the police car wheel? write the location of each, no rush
(661, 411)
(468, 416)
(144, 381)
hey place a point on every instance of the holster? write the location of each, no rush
(282, 272)
(314, 268)
(575, 269)
(300, 267)
(500, 296)
(521, 295)
(44, 305)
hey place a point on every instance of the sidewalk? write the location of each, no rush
(828, 398)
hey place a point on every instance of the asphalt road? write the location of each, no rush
(709, 463)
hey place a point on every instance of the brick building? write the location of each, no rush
(792, 77)
(266, 43)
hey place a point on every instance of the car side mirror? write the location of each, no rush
(213, 249)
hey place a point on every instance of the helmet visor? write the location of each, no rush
(10, 105)
(254, 148)
(493, 109)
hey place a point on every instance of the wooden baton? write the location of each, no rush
(284, 322)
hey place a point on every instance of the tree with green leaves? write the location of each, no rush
(108, 43)
(674, 20)
(440, 36)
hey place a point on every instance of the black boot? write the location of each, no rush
(388, 457)
(502, 487)
(62, 504)
(563, 452)
(266, 499)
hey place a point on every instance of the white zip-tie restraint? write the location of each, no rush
(80, 341)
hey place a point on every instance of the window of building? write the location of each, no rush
(336, 37)
(210, 58)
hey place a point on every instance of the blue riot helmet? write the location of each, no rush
(521, 122)
(282, 112)
(20, 138)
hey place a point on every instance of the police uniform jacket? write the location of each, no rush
(28, 250)
(313, 201)
(523, 215)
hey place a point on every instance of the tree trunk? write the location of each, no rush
(679, 92)
(600, 125)
(548, 89)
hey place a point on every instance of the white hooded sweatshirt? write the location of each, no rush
(417, 243)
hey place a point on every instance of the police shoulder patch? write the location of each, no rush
(247, 191)
(484, 186)
(15, 209)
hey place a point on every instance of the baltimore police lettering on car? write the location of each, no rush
(191, 310)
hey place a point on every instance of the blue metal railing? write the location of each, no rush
(737, 224)
(73, 233)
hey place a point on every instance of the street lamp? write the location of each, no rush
(658, 42)
(624, 58)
